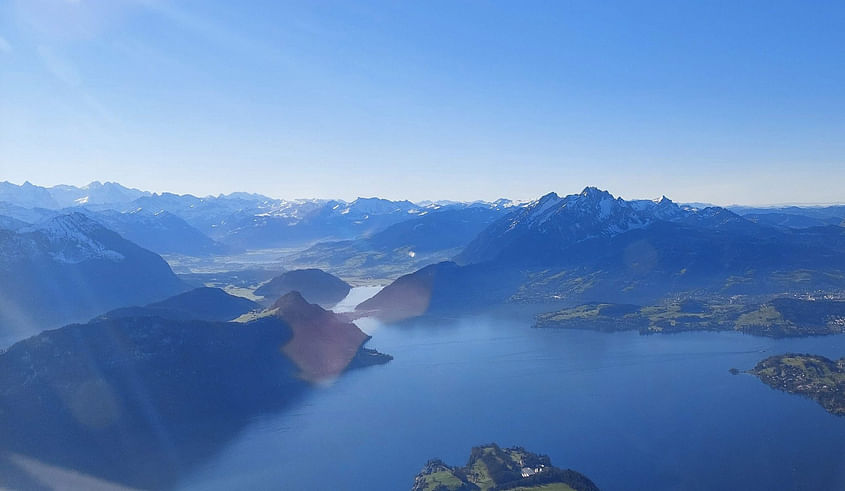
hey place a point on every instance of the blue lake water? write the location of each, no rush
(629, 411)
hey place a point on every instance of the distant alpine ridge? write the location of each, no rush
(594, 247)
(553, 223)
(62, 196)
(169, 223)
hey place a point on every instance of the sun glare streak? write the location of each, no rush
(61, 479)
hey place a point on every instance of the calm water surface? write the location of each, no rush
(630, 411)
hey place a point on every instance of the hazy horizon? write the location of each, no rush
(721, 103)
(349, 198)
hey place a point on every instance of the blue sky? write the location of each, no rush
(725, 102)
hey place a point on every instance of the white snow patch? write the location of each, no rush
(605, 206)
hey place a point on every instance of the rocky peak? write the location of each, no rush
(594, 193)
(69, 225)
(73, 238)
(293, 306)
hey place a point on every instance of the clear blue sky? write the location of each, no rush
(719, 101)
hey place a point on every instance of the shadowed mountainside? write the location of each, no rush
(139, 400)
(69, 269)
(315, 285)
(208, 304)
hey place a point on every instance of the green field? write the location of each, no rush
(778, 317)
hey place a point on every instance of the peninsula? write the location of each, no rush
(813, 376)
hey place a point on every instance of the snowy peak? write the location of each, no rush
(594, 193)
(70, 225)
(590, 207)
(540, 211)
(27, 195)
(502, 203)
(499, 204)
(73, 238)
(592, 213)
(95, 193)
(594, 200)
(379, 206)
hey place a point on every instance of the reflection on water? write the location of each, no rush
(657, 412)
(356, 295)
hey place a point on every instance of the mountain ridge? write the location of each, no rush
(593, 247)
(79, 269)
(578, 217)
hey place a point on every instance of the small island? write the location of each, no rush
(813, 376)
(493, 468)
(776, 318)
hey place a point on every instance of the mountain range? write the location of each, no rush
(593, 247)
(589, 246)
(169, 223)
(63, 196)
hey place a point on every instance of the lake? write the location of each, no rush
(654, 412)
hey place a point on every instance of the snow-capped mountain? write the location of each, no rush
(237, 220)
(69, 269)
(161, 232)
(594, 247)
(95, 193)
(295, 210)
(62, 196)
(27, 195)
(72, 239)
(592, 213)
(280, 223)
(206, 214)
(363, 208)
(499, 204)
